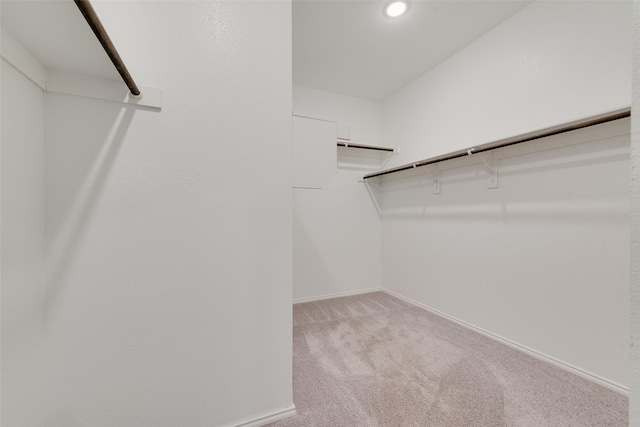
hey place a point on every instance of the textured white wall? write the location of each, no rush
(634, 401)
(22, 222)
(541, 258)
(362, 115)
(337, 229)
(169, 233)
(551, 63)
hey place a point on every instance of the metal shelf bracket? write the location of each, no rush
(491, 164)
(434, 174)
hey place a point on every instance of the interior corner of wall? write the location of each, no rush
(91, 87)
(22, 60)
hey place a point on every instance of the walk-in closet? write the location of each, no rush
(319, 213)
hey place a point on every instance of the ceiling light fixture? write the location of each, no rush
(396, 8)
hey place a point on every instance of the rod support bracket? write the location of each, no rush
(491, 165)
(434, 174)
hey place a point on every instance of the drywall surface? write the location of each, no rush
(551, 63)
(169, 239)
(336, 229)
(542, 260)
(314, 152)
(336, 239)
(634, 400)
(364, 117)
(22, 216)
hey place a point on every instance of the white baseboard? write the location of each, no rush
(538, 355)
(269, 418)
(336, 295)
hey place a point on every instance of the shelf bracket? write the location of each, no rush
(434, 174)
(491, 164)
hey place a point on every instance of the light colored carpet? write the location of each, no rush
(374, 360)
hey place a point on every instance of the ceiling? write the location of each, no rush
(347, 47)
(63, 40)
(352, 48)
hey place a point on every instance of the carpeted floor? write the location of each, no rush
(374, 360)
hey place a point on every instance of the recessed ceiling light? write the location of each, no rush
(396, 8)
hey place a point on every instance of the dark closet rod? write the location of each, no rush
(363, 146)
(616, 115)
(94, 22)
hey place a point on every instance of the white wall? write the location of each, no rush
(169, 233)
(336, 229)
(543, 259)
(552, 63)
(22, 221)
(363, 116)
(634, 400)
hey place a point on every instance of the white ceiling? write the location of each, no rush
(56, 33)
(352, 48)
(346, 47)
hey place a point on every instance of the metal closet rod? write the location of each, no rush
(98, 29)
(616, 115)
(347, 144)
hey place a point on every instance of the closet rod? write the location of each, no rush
(364, 147)
(616, 115)
(98, 29)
